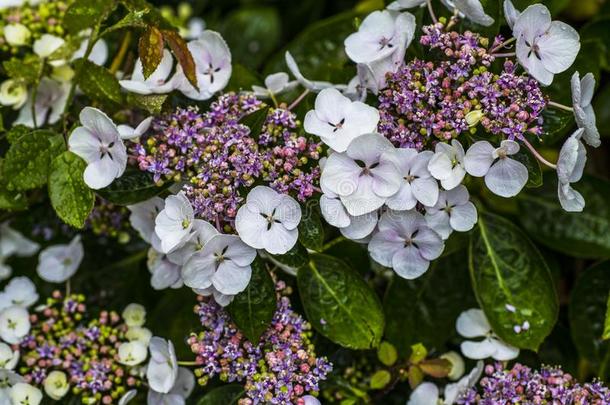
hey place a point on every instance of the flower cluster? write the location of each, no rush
(109, 220)
(521, 384)
(87, 353)
(281, 368)
(425, 102)
(218, 158)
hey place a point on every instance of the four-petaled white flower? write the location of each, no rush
(58, 263)
(183, 387)
(46, 45)
(582, 94)
(98, 142)
(56, 385)
(570, 166)
(14, 324)
(201, 234)
(503, 176)
(13, 243)
(363, 176)
(310, 85)
(156, 83)
(405, 243)
(142, 218)
(544, 47)
(213, 67)
(452, 212)
(20, 291)
(471, 9)
(473, 323)
(164, 273)
(428, 393)
(51, 98)
(174, 223)
(162, 369)
(132, 353)
(8, 357)
(127, 132)
(337, 120)
(223, 263)
(268, 220)
(134, 315)
(16, 34)
(447, 164)
(417, 182)
(352, 227)
(275, 84)
(380, 35)
(26, 394)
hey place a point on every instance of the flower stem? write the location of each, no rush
(332, 243)
(299, 99)
(118, 59)
(538, 155)
(188, 363)
(560, 106)
(502, 45)
(503, 55)
(431, 11)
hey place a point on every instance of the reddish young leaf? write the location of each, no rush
(150, 49)
(183, 54)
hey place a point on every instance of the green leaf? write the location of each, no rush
(17, 132)
(255, 121)
(598, 29)
(291, 260)
(84, 14)
(134, 19)
(557, 123)
(311, 230)
(339, 304)
(150, 49)
(152, 103)
(534, 172)
(506, 268)
(319, 50)
(98, 83)
(601, 105)
(554, 6)
(424, 310)
(387, 354)
(132, 187)
(223, 395)
(252, 310)
(26, 164)
(606, 334)
(380, 379)
(252, 33)
(182, 53)
(70, 196)
(242, 78)
(26, 69)
(587, 310)
(580, 234)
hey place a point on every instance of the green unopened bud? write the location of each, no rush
(473, 117)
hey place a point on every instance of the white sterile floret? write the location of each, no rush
(25, 394)
(428, 393)
(471, 9)
(99, 52)
(212, 58)
(452, 212)
(223, 263)
(582, 94)
(13, 242)
(570, 166)
(134, 315)
(46, 45)
(544, 47)
(337, 120)
(98, 142)
(139, 333)
(13, 93)
(174, 223)
(58, 263)
(310, 85)
(352, 227)
(380, 35)
(201, 234)
(127, 132)
(132, 353)
(183, 387)
(275, 84)
(14, 324)
(268, 220)
(20, 291)
(417, 183)
(8, 357)
(363, 176)
(405, 243)
(51, 98)
(56, 385)
(473, 323)
(510, 13)
(164, 273)
(447, 164)
(143, 215)
(221, 299)
(503, 176)
(156, 83)
(162, 369)
(17, 34)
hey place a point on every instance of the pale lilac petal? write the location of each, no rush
(506, 177)
(231, 279)
(408, 263)
(479, 158)
(472, 323)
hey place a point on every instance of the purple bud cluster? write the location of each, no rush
(109, 220)
(86, 351)
(218, 158)
(425, 102)
(281, 368)
(522, 385)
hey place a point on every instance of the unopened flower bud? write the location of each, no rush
(473, 117)
(56, 385)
